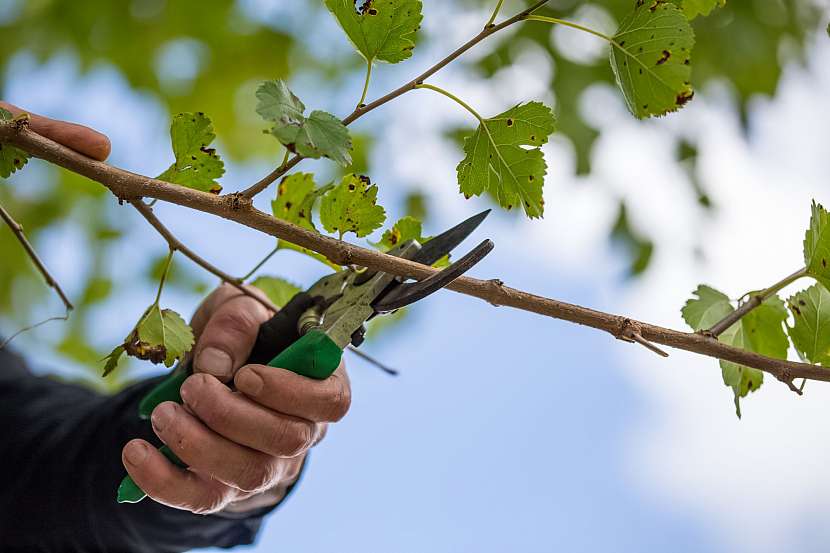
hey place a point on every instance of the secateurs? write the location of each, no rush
(308, 335)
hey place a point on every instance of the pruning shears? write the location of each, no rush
(309, 334)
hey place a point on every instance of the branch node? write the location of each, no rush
(21, 122)
(788, 380)
(239, 201)
(631, 332)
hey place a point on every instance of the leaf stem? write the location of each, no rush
(557, 21)
(365, 84)
(495, 14)
(755, 299)
(360, 111)
(454, 98)
(164, 274)
(259, 265)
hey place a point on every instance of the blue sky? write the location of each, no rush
(506, 430)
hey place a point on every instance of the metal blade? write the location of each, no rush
(405, 294)
(444, 243)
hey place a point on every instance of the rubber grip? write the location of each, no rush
(166, 390)
(314, 355)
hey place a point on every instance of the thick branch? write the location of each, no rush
(234, 207)
(176, 245)
(17, 229)
(362, 110)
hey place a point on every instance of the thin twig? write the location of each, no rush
(176, 245)
(755, 299)
(259, 265)
(373, 361)
(17, 229)
(362, 110)
(129, 186)
(8, 340)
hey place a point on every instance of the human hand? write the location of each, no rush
(81, 139)
(244, 447)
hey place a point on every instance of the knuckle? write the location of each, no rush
(290, 438)
(254, 475)
(209, 502)
(337, 403)
(237, 321)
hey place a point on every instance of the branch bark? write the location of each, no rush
(235, 207)
(362, 110)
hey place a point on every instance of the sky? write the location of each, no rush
(506, 430)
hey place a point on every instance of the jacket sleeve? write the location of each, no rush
(60, 465)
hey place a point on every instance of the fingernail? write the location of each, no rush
(135, 453)
(162, 415)
(216, 362)
(249, 382)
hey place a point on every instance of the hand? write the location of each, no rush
(81, 139)
(245, 447)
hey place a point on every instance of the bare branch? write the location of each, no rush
(17, 229)
(176, 245)
(362, 110)
(8, 340)
(235, 207)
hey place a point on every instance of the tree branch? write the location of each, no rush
(176, 245)
(237, 208)
(362, 110)
(755, 299)
(17, 229)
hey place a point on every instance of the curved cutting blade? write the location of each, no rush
(405, 294)
(439, 246)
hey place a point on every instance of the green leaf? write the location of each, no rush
(810, 332)
(11, 159)
(817, 245)
(278, 290)
(197, 166)
(277, 103)
(319, 135)
(503, 156)
(296, 196)
(161, 336)
(651, 56)
(351, 206)
(709, 307)
(760, 331)
(694, 8)
(380, 30)
(112, 360)
(407, 228)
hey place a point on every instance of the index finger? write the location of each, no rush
(78, 137)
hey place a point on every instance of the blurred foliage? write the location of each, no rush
(745, 44)
(228, 51)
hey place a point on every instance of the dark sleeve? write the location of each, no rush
(60, 466)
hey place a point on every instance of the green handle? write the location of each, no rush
(314, 355)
